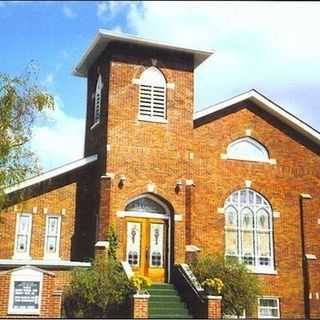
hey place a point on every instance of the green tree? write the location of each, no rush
(100, 291)
(241, 288)
(113, 238)
(21, 100)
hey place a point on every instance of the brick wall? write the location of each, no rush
(214, 307)
(58, 202)
(140, 307)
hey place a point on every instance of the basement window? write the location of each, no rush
(268, 308)
(152, 96)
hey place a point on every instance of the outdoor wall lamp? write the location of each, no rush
(178, 185)
(122, 180)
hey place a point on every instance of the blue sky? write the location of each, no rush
(273, 47)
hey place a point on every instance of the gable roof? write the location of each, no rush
(104, 37)
(51, 174)
(268, 106)
(28, 267)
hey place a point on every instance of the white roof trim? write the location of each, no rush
(104, 37)
(43, 263)
(268, 106)
(51, 174)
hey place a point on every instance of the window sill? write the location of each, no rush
(94, 125)
(263, 271)
(224, 156)
(151, 119)
(52, 258)
(21, 257)
(24, 313)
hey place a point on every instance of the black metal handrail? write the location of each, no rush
(194, 299)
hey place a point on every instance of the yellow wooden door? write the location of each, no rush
(146, 249)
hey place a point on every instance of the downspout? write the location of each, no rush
(305, 269)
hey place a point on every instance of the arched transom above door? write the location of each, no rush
(146, 204)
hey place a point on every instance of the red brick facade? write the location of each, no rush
(153, 156)
(140, 307)
(214, 307)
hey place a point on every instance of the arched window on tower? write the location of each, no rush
(97, 101)
(152, 95)
(248, 230)
(249, 149)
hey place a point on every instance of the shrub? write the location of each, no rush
(140, 283)
(213, 286)
(102, 290)
(241, 288)
(113, 238)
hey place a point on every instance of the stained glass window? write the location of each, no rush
(133, 243)
(52, 236)
(145, 204)
(23, 234)
(248, 229)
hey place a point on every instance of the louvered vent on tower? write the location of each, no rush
(97, 101)
(152, 95)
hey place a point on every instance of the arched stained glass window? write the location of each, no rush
(248, 229)
(145, 204)
(247, 149)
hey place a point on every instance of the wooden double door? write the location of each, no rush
(146, 247)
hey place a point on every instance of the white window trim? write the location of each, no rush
(154, 79)
(278, 307)
(139, 214)
(152, 119)
(25, 275)
(95, 125)
(22, 255)
(96, 114)
(225, 156)
(257, 144)
(57, 254)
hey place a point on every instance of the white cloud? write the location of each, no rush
(49, 79)
(109, 9)
(59, 139)
(270, 46)
(102, 8)
(68, 12)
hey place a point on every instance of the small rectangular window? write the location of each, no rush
(23, 235)
(268, 308)
(52, 238)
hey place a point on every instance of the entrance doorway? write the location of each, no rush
(147, 240)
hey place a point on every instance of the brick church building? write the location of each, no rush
(240, 178)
